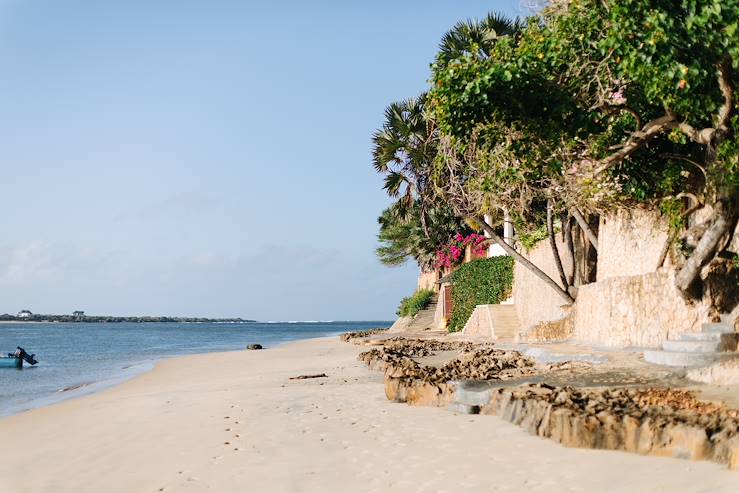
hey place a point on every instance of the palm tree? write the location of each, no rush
(404, 150)
(476, 37)
(406, 238)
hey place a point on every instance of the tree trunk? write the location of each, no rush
(688, 276)
(567, 233)
(553, 244)
(523, 260)
(585, 227)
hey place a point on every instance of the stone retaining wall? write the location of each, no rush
(641, 311)
(630, 243)
(535, 301)
(632, 304)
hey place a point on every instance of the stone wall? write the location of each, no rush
(479, 324)
(427, 279)
(630, 243)
(632, 304)
(535, 301)
(642, 311)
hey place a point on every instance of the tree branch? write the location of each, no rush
(687, 160)
(705, 250)
(585, 227)
(553, 245)
(726, 84)
(567, 232)
(523, 260)
(615, 108)
(699, 136)
(637, 140)
(705, 136)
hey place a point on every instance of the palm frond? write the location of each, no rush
(472, 37)
(393, 182)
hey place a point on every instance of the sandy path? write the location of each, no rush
(234, 422)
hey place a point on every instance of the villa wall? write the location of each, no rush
(630, 243)
(427, 280)
(642, 311)
(535, 301)
(632, 304)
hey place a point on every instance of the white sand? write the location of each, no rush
(167, 431)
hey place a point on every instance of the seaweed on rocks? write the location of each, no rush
(362, 334)
(480, 364)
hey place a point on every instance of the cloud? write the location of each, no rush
(40, 261)
(25, 264)
(181, 204)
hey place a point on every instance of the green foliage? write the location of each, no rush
(403, 151)
(530, 240)
(542, 108)
(482, 282)
(671, 48)
(672, 209)
(411, 305)
(471, 37)
(402, 236)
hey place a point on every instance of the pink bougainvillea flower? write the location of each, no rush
(617, 97)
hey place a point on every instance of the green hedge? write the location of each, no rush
(413, 304)
(482, 282)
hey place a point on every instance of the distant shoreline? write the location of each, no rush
(10, 319)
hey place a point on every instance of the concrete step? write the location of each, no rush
(471, 393)
(727, 319)
(718, 327)
(693, 346)
(701, 336)
(463, 408)
(672, 358)
(492, 321)
(505, 321)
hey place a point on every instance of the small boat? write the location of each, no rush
(16, 359)
(10, 362)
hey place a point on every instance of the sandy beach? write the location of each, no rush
(236, 422)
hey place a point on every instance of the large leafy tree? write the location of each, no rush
(597, 105)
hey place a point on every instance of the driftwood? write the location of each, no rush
(305, 377)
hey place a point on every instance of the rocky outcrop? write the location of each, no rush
(359, 336)
(669, 423)
(408, 381)
(724, 373)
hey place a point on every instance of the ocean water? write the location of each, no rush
(77, 359)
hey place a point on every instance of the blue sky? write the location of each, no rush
(204, 158)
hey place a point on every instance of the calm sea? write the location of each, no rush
(75, 359)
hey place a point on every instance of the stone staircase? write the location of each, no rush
(716, 342)
(423, 320)
(493, 321)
